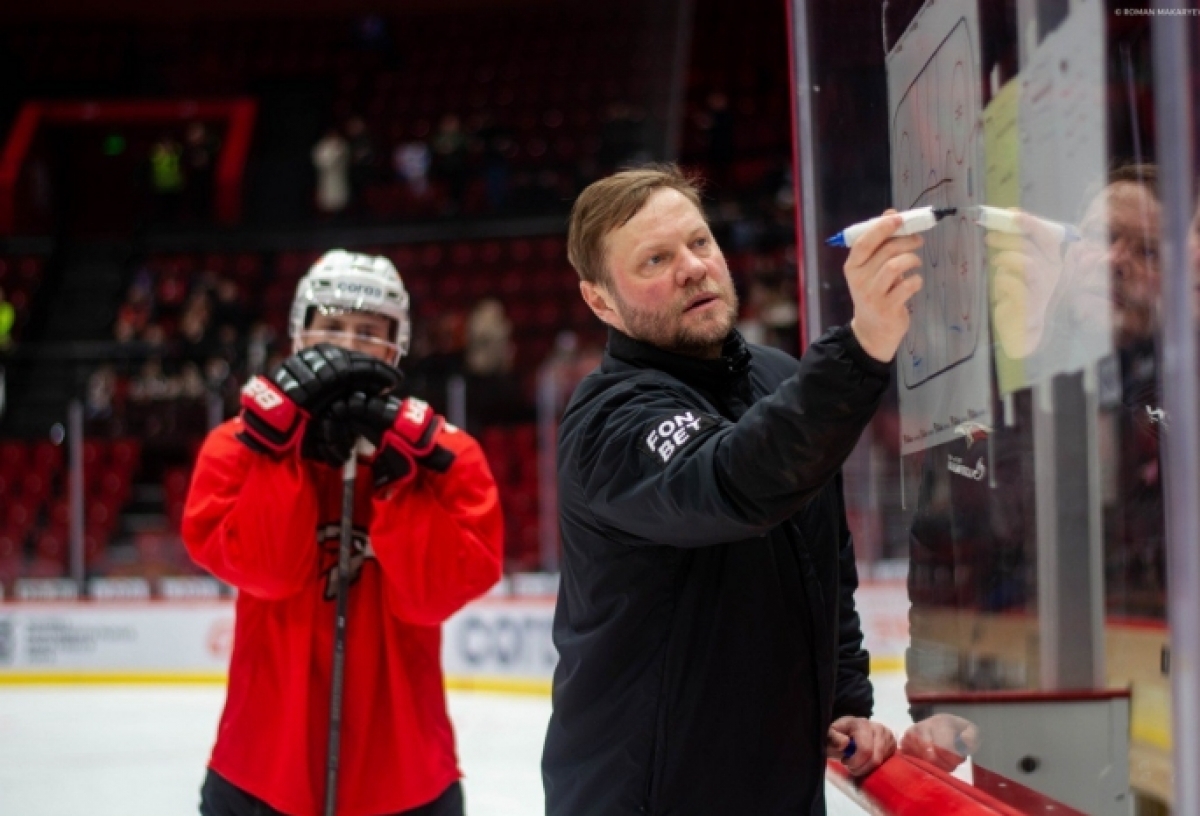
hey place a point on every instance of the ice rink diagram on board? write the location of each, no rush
(933, 93)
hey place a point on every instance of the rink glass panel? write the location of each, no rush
(1015, 472)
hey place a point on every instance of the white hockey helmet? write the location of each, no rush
(342, 281)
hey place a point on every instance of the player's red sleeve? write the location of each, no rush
(251, 520)
(440, 539)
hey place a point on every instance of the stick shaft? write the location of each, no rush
(339, 637)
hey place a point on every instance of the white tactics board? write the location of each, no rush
(943, 366)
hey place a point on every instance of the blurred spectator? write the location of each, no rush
(219, 379)
(171, 292)
(8, 317)
(622, 140)
(331, 159)
(371, 33)
(192, 384)
(101, 388)
(258, 346)
(489, 339)
(442, 340)
(194, 333)
(362, 157)
(228, 310)
(716, 123)
(155, 338)
(166, 177)
(493, 392)
(226, 346)
(450, 160)
(411, 162)
(199, 158)
(769, 313)
(134, 314)
(152, 383)
(496, 146)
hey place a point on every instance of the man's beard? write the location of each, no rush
(666, 329)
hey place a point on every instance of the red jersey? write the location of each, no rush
(421, 551)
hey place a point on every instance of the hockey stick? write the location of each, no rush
(339, 635)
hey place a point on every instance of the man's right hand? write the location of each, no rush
(276, 411)
(876, 271)
(943, 739)
(1025, 274)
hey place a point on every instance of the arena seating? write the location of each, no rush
(34, 489)
(741, 52)
(545, 80)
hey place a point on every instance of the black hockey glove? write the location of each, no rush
(329, 438)
(404, 433)
(276, 411)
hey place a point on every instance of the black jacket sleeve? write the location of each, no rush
(853, 695)
(733, 480)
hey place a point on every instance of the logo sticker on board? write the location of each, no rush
(665, 436)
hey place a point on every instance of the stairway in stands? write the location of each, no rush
(82, 303)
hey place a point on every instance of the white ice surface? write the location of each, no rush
(140, 750)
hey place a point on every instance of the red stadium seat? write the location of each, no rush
(125, 453)
(11, 567)
(13, 456)
(451, 288)
(41, 567)
(94, 453)
(462, 254)
(548, 313)
(19, 516)
(431, 258)
(60, 513)
(101, 516)
(94, 543)
(29, 270)
(511, 282)
(403, 258)
(35, 487)
(520, 251)
(247, 267)
(479, 285)
(114, 486)
(174, 510)
(19, 298)
(51, 545)
(46, 457)
(216, 264)
(490, 253)
(552, 252)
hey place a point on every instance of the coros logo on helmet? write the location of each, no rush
(365, 290)
(353, 282)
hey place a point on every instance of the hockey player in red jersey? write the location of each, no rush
(263, 514)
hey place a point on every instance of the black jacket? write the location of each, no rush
(705, 625)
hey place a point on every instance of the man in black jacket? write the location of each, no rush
(710, 656)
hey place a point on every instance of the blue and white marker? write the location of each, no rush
(914, 221)
(1001, 220)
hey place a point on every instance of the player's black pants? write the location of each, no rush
(219, 797)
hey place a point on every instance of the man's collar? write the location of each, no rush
(733, 363)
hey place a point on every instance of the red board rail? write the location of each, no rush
(238, 114)
(907, 786)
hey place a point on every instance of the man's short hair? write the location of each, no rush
(609, 203)
(1135, 173)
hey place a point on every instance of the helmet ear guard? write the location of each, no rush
(352, 282)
